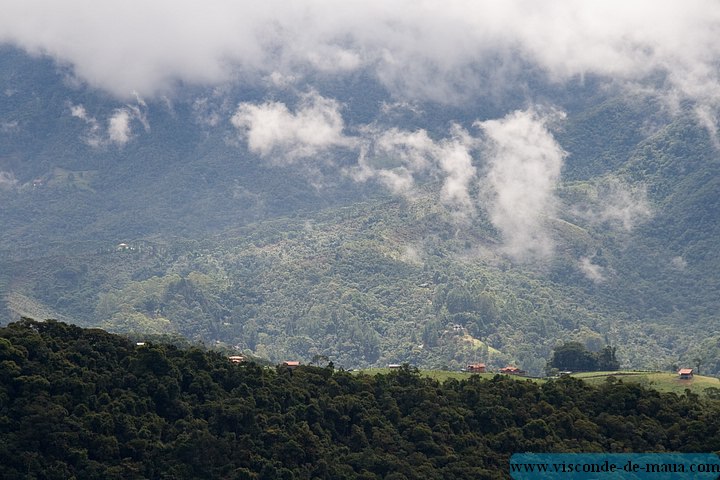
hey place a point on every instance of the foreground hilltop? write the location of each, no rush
(84, 403)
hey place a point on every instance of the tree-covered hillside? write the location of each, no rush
(87, 404)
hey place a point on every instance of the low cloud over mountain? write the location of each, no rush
(437, 50)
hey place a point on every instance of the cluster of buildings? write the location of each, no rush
(683, 373)
(478, 368)
(241, 359)
(482, 368)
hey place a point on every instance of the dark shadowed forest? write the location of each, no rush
(82, 403)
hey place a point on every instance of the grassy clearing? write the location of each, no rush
(440, 375)
(660, 381)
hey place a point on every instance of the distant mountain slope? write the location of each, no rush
(157, 216)
(65, 178)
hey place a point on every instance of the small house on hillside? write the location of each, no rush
(510, 370)
(394, 365)
(685, 373)
(236, 358)
(476, 368)
(291, 364)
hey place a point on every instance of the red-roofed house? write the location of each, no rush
(476, 368)
(685, 373)
(292, 364)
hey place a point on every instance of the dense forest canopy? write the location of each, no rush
(83, 403)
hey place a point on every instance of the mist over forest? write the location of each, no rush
(378, 182)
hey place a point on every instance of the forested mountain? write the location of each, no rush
(82, 403)
(431, 219)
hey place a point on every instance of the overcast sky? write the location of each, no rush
(425, 49)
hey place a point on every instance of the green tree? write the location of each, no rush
(606, 359)
(573, 356)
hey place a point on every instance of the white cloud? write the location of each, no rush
(433, 50)
(119, 130)
(591, 271)
(524, 165)
(78, 111)
(414, 151)
(119, 124)
(456, 163)
(399, 180)
(397, 158)
(138, 111)
(521, 160)
(271, 129)
(392, 157)
(280, 80)
(93, 135)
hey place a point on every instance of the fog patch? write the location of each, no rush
(592, 272)
(615, 203)
(708, 119)
(412, 254)
(524, 165)
(679, 263)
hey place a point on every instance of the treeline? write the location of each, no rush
(575, 357)
(78, 403)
